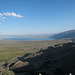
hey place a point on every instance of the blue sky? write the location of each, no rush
(22, 17)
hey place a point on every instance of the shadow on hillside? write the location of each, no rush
(56, 60)
(22, 58)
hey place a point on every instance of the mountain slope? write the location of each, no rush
(66, 34)
(55, 60)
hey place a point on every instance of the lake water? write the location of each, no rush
(28, 39)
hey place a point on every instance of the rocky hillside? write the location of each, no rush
(66, 34)
(55, 60)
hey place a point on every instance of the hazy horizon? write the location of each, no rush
(31, 17)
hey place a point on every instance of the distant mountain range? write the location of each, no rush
(66, 34)
(26, 36)
(62, 35)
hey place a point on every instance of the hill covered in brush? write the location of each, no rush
(55, 60)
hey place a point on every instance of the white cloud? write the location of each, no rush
(1, 15)
(0, 23)
(3, 18)
(12, 14)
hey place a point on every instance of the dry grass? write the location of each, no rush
(12, 49)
